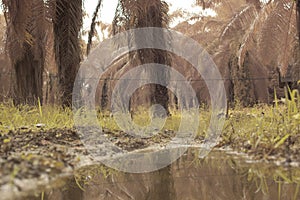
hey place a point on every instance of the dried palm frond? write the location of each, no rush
(298, 17)
(224, 8)
(17, 21)
(67, 23)
(25, 43)
(142, 13)
(26, 26)
(239, 22)
(93, 28)
(279, 36)
(248, 41)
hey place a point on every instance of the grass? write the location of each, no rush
(261, 126)
(13, 117)
(263, 129)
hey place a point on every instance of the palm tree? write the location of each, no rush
(67, 22)
(138, 14)
(26, 37)
(298, 19)
(253, 40)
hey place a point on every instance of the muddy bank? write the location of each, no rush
(29, 159)
(40, 157)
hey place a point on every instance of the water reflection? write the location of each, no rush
(219, 176)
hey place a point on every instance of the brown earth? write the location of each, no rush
(35, 155)
(41, 157)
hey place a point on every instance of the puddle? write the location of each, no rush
(218, 176)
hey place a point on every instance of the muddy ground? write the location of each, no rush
(28, 156)
(32, 155)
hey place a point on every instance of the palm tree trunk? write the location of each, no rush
(26, 33)
(138, 14)
(298, 18)
(29, 79)
(67, 25)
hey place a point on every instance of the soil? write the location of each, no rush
(42, 156)
(46, 155)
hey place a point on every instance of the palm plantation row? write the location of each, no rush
(31, 22)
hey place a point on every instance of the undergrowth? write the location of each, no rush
(265, 127)
(268, 126)
(26, 117)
